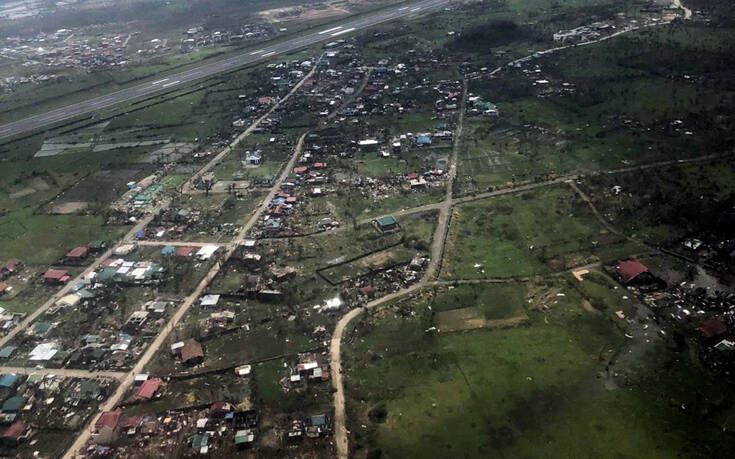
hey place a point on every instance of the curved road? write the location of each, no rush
(213, 68)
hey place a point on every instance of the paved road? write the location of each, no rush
(214, 68)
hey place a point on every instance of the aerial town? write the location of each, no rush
(342, 229)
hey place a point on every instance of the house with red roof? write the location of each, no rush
(148, 389)
(712, 327)
(77, 253)
(12, 436)
(184, 251)
(107, 428)
(4, 288)
(10, 268)
(629, 270)
(109, 419)
(56, 276)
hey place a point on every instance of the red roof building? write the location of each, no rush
(15, 431)
(109, 262)
(184, 251)
(3, 288)
(629, 270)
(299, 170)
(11, 266)
(78, 253)
(109, 419)
(712, 327)
(56, 275)
(148, 388)
(192, 352)
(319, 165)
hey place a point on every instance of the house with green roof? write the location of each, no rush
(13, 404)
(7, 351)
(386, 224)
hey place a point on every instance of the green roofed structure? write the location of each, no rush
(386, 224)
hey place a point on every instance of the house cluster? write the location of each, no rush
(310, 368)
(200, 37)
(174, 223)
(37, 403)
(79, 48)
(105, 345)
(9, 269)
(219, 428)
(280, 77)
(589, 32)
(477, 106)
(691, 306)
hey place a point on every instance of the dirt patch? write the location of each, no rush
(306, 12)
(541, 297)
(22, 193)
(472, 318)
(99, 188)
(70, 207)
(588, 306)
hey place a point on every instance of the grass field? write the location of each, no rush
(527, 234)
(519, 392)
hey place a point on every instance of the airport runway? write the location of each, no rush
(213, 68)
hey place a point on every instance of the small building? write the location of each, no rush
(629, 270)
(368, 145)
(209, 300)
(77, 253)
(7, 351)
(386, 224)
(107, 427)
(13, 404)
(244, 438)
(423, 141)
(148, 389)
(9, 381)
(192, 352)
(184, 251)
(56, 276)
(14, 434)
(712, 327)
(10, 268)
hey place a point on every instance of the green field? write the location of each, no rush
(527, 234)
(534, 390)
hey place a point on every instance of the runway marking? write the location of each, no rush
(415, 9)
(159, 81)
(257, 52)
(404, 8)
(170, 84)
(343, 31)
(330, 30)
(269, 54)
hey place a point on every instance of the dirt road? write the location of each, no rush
(188, 186)
(341, 436)
(190, 300)
(70, 373)
(129, 236)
